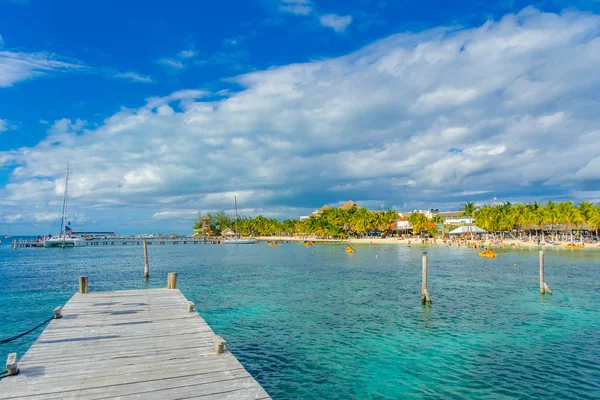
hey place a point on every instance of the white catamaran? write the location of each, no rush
(237, 239)
(66, 238)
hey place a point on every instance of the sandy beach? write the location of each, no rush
(506, 243)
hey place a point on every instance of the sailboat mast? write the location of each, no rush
(236, 217)
(64, 212)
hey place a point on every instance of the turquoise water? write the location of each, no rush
(317, 323)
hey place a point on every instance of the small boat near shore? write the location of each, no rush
(488, 253)
(574, 246)
(350, 249)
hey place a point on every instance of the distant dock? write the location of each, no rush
(145, 344)
(126, 240)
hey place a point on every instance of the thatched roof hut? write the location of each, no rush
(560, 228)
(348, 205)
(227, 232)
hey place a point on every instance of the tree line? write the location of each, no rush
(356, 222)
(535, 217)
(330, 223)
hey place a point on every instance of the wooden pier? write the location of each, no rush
(144, 344)
(132, 241)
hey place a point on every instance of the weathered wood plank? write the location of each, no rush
(126, 344)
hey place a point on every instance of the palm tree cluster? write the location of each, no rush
(340, 223)
(552, 216)
(329, 223)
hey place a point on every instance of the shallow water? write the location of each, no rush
(316, 323)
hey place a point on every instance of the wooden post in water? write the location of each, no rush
(172, 280)
(424, 293)
(544, 288)
(83, 284)
(146, 266)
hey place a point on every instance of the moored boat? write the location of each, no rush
(237, 239)
(66, 237)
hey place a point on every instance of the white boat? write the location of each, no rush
(64, 241)
(237, 239)
(9, 235)
(66, 238)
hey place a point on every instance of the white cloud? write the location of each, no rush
(185, 54)
(171, 62)
(180, 61)
(3, 125)
(186, 215)
(297, 7)
(17, 66)
(336, 22)
(416, 119)
(134, 77)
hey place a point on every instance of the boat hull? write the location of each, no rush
(68, 242)
(487, 255)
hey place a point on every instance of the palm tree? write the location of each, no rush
(552, 216)
(537, 212)
(438, 220)
(521, 217)
(594, 220)
(587, 210)
(573, 217)
(468, 210)
(419, 222)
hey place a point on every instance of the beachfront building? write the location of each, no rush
(448, 217)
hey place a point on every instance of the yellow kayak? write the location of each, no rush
(349, 249)
(574, 246)
(274, 244)
(487, 254)
(308, 244)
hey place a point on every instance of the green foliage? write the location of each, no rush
(330, 223)
(507, 216)
(338, 223)
(419, 222)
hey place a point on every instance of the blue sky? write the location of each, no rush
(165, 109)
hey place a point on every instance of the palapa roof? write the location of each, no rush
(227, 232)
(325, 207)
(561, 227)
(348, 205)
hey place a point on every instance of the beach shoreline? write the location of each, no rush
(506, 243)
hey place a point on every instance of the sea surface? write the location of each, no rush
(318, 323)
